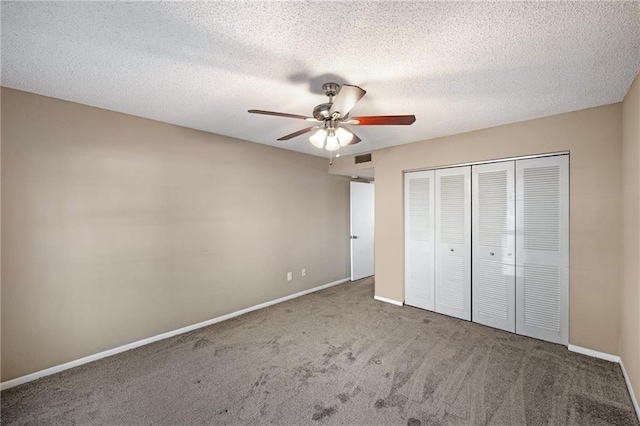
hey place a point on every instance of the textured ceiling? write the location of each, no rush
(456, 66)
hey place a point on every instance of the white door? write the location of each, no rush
(453, 242)
(362, 226)
(419, 219)
(542, 248)
(493, 253)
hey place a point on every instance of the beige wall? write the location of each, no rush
(116, 228)
(593, 137)
(630, 289)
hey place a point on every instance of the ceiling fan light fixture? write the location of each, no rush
(344, 136)
(318, 138)
(332, 141)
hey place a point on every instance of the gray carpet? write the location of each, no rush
(337, 357)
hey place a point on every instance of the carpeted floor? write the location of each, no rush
(336, 356)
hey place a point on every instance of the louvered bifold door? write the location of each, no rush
(453, 242)
(419, 239)
(493, 252)
(542, 248)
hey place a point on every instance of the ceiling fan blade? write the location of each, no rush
(298, 133)
(280, 114)
(347, 98)
(383, 120)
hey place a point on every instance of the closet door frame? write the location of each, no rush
(414, 295)
(562, 156)
(446, 252)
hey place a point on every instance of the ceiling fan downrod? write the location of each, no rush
(322, 112)
(331, 90)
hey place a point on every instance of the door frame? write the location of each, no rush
(497, 160)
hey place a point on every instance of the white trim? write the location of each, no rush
(612, 358)
(499, 160)
(595, 354)
(631, 394)
(56, 369)
(384, 299)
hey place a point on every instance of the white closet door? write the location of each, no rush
(493, 253)
(419, 239)
(453, 242)
(542, 248)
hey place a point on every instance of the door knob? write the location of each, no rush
(354, 237)
(492, 253)
(451, 249)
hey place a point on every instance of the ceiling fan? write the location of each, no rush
(332, 133)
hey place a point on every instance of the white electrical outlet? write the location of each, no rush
(289, 276)
(304, 272)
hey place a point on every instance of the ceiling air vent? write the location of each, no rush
(364, 158)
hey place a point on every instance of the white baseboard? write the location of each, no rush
(384, 299)
(612, 358)
(56, 369)
(594, 354)
(631, 393)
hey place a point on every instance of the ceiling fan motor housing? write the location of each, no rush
(321, 112)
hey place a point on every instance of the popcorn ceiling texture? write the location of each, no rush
(457, 66)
